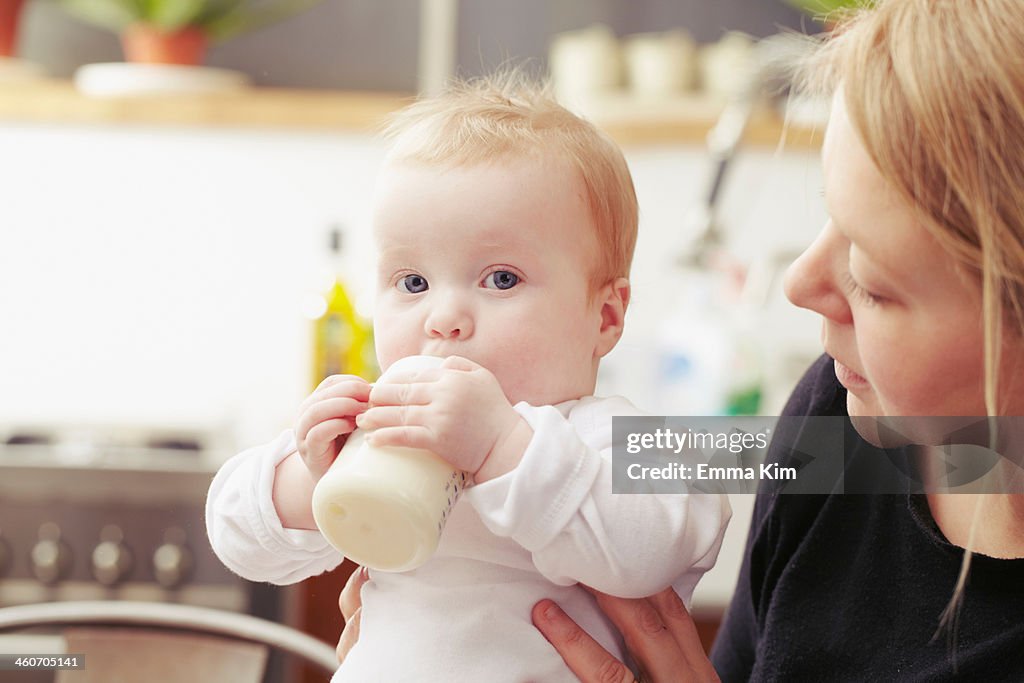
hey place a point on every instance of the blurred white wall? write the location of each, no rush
(159, 275)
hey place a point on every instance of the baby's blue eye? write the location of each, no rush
(501, 279)
(413, 284)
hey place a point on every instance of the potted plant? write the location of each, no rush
(10, 13)
(179, 31)
(827, 11)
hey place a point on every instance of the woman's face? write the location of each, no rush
(902, 322)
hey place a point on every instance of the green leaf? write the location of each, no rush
(821, 9)
(214, 10)
(175, 14)
(110, 14)
(245, 19)
(220, 19)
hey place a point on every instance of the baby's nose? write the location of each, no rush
(450, 321)
(444, 331)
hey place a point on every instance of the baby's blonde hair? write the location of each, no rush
(508, 114)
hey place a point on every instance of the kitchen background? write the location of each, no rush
(373, 44)
(157, 276)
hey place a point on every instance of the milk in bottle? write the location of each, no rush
(384, 507)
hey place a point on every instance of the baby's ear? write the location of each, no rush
(613, 300)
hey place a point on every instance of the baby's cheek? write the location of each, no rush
(391, 343)
(522, 366)
(513, 369)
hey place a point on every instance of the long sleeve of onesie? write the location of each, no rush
(530, 534)
(244, 529)
(558, 505)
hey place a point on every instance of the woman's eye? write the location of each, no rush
(501, 279)
(413, 284)
(863, 294)
(868, 297)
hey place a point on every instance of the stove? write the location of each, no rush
(101, 512)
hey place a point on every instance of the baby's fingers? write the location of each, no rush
(324, 433)
(338, 386)
(410, 436)
(397, 394)
(328, 409)
(320, 446)
(381, 417)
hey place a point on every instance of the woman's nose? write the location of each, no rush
(812, 281)
(449, 318)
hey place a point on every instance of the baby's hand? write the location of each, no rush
(326, 419)
(457, 410)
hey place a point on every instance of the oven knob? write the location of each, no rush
(172, 561)
(5, 555)
(51, 557)
(111, 559)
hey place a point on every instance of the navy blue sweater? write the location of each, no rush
(851, 587)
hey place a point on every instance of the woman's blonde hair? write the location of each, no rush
(508, 114)
(935, 89)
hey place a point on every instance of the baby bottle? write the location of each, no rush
(385, 506)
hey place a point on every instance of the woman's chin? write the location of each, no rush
(864, 418)
(860, 405)
(887, 431)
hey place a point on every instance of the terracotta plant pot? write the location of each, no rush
(10, 13)
(149, 45)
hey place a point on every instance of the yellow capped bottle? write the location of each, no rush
(342, 340)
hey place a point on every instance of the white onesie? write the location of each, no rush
(529, 534)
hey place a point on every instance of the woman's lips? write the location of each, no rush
(848, 378)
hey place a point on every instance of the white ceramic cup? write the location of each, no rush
(385, 507)
(585, 63)
(661, 65)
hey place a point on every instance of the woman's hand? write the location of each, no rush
(351, 606)
(658, 631)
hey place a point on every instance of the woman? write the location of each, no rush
(919, 279)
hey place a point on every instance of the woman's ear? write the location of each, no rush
(613, 300)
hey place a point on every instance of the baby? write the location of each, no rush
(505, 227)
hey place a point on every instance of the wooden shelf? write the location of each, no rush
(630, 122)
(689, 119)
(60, 102)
